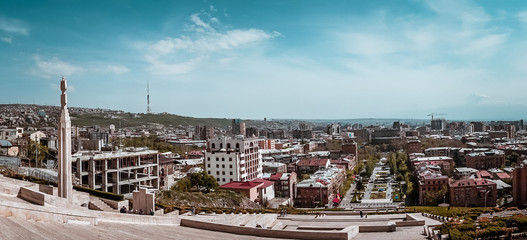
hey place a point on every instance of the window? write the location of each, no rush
(230, 166)
(208, 172)
(223, 166)
(231, 173)
(231, 179)
(217, 166)
(208, 158)
(217, 159)
(223, 159)
(217, 172)
(218, 179)
(213, 146)
(208, 164)
(223, 179)
(230, 159)
(223, 173)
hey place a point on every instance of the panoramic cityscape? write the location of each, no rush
(263, 120)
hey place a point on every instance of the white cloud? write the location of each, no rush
(370, 45)
(13, 26)
(183, 54)
(522, 16)
(6, 39)
(200, 23)
(10, 27)
(485, 45)
(209, 43)
(54, 67)
(162, 68)
(478, 99)
(115, 69)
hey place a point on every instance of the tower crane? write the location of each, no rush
(435, 114)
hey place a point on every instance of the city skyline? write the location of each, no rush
(273, 59)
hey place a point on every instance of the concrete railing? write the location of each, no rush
(261, 232)
(408, 221)
(45, 189)
(39, 198)
(391, 227)
(32, 196)
(437, 217)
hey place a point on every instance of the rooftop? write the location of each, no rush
(472, 182)
(312, 162)
(87, 155)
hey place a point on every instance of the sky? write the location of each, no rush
(270, 59)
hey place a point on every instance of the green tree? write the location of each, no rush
(392, 163)
(434, 198)
(370, 165)
(511, 158)
(183, 185)
(359, 186)
(203, 181)
(37, 151)
(358, 168)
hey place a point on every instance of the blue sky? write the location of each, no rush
(274, 59)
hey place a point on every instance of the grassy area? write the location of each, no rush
(455, 212)
(219, 199)
(494, 228)
(380, 195)
(347, 184)
(127, 120)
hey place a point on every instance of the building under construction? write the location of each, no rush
(120, 172)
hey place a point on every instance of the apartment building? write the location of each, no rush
(233, 159)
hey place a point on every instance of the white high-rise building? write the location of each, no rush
(233, 159)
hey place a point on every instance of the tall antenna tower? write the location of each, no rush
(148, 111)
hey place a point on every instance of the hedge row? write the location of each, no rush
(101, 194)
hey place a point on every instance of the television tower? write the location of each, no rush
(148, 111)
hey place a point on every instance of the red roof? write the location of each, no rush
(503, 175)
(265, 183)
(195, 153)
(275, 177)
(471, 182)
(313, 162)
(484, 173)
(258, 183)
(241, 185)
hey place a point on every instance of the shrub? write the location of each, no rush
(101, 194)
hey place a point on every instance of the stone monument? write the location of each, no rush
(143, 201)
(64, 146)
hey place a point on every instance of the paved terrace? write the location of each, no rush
(23, 220)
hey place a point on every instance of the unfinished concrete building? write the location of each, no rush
(120, 172)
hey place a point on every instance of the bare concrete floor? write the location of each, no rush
(401, 233)
(13, 228)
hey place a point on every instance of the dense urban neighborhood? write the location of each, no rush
(286, 162)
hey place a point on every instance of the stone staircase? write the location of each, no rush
(98, 204)
(247, 220)
(15, 229)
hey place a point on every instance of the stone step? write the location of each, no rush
(98, 204)
(37, 228)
